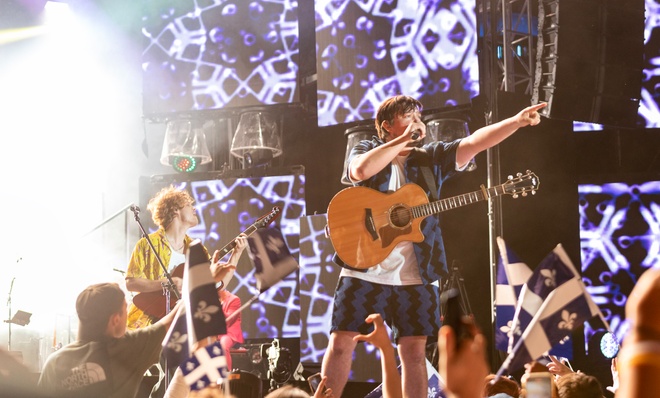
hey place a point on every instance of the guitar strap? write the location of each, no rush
(430, 181)
(341, 263)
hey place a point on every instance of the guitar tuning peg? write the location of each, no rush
(533, 192)
(510, 177)
(515, 196)
(524, 194)
(518, 174)
(528, 172)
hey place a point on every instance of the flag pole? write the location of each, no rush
(244, 306)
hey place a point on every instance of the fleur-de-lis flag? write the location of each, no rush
(512, 274)
(552, 304)
(205, 367)
(201, 316)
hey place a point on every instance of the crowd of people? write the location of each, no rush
(116, 343)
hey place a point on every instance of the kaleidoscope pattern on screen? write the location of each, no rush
(368, 50)
(619, 239)
(225, 208)
(649, 110)
(212, 54)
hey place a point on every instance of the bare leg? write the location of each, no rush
(337, 360)
(412, 352)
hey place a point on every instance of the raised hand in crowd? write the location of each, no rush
(463, 366)
(557, 367)
(381, 340)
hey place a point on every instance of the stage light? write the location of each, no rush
(257, 139)
(609, 345)
(439, 128)
(185, 145)
(184, 164)
(605, 343)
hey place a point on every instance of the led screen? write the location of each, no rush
(619, 239)
(367, 51)
(214, 54)
(649, 110)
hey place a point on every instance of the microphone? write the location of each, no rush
(135, 208)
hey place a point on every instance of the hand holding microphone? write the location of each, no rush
(418, 129)
(418, 132)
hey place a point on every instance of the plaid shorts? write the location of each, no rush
(409, 310)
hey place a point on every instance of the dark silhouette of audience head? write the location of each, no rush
(579, 385)
(503, 385)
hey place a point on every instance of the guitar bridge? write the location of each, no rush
(369, 224)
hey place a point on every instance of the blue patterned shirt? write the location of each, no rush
(440, 157)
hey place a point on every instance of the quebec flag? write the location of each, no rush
(205, 367)
(512, 274)
(201, 316)
(551, 305)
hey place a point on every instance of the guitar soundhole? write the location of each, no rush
(400, 216)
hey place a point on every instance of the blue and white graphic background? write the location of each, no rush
(219, 53)
(368, 50)
(620, 239)
(229, 53)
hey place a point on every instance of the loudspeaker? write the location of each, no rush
(589, 60)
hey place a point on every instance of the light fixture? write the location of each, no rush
(609, 345)
(603, 342)
(185, 146)
(257, 139)
(353, 136)
(439, 128)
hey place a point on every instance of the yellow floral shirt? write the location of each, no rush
(144, 264)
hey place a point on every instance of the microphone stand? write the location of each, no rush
(168, 287)
(11, 287)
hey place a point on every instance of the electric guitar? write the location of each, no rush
(364, 224)
(154, 303)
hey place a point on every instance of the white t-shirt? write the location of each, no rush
(176, 259)
(400, 268)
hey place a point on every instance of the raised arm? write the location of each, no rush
(381, 340)
(370, 163)
(491, 135)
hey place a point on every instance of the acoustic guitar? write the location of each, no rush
(154, 303)
(364, 224)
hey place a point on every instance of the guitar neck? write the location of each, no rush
(230, 246)
(456, 201)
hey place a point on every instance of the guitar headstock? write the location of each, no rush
(521, 184)
(263, 221)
